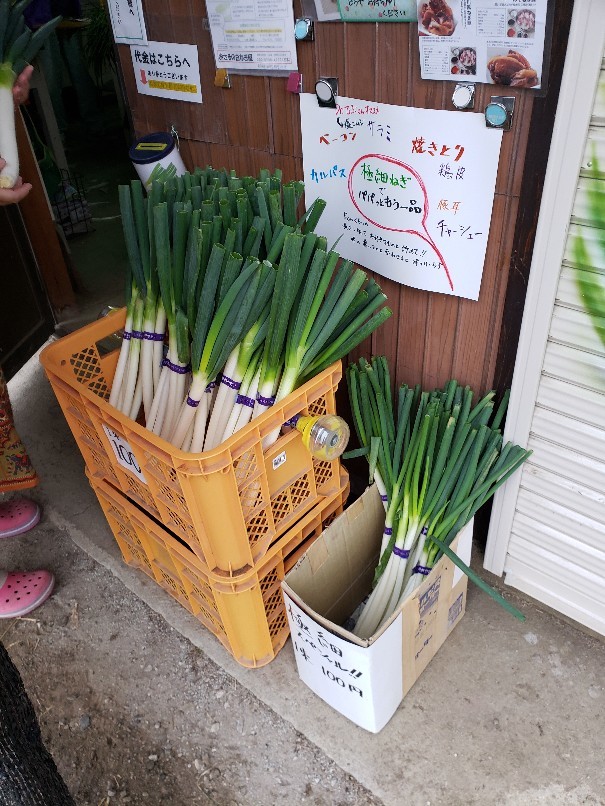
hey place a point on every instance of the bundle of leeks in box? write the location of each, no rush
(249, 300)
(436, 459)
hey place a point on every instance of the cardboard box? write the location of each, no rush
(366, 680)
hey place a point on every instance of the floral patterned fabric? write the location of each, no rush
(16, 471)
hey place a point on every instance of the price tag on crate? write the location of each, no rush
(124, 454)
(279, 460)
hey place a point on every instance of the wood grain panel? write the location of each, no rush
(440, 339)
(392, 63)
(358, 79)
(256, 124)
(504, 269)
(477, 319)
(307, 61)
(411, 350)
(330, 54)
(285, 118)
(235, 103)
(385, 339)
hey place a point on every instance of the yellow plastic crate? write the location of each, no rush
(246, 614)
(229, 504)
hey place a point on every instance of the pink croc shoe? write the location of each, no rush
(17, 516)
(20, 593)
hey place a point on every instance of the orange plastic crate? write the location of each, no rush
(247, 615)
(229, 504)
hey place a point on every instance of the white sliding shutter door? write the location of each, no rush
(547, 533)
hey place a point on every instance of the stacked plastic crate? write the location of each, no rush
(217, 530)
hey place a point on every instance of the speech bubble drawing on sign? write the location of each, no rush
(391, 195)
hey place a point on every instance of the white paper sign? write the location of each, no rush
(253, 34)
(168, 70)
(365, 684)
(409, 191)
(124, 454)
(327, 10)
(128, 22)
(497, 42)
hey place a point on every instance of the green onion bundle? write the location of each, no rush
(253, 303)
(166, 275)
(436, 460)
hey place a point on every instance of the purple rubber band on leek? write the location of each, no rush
(176, 367)
(193, 403)
(230, 382)
(403, 553)
(265, 401)
(245, 401)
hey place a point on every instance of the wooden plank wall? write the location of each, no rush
(431, 337)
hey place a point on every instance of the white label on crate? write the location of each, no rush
(279, 460)
(124, 454)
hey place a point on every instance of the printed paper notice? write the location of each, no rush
(253, 34)
(168, 70)
(127, 22)
(409, 192)
(490, 41)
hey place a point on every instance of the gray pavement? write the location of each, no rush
(506, 713)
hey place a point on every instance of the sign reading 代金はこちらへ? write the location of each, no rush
(168, 70)
(409, 192)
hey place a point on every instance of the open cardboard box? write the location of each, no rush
(366, 680)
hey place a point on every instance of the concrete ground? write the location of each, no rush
(506, 713)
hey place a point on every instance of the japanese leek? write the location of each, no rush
(18, 47)
(439, 459)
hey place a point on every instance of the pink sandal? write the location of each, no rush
(17, 516)
(20, 593)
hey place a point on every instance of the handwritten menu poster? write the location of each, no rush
(253, 35)
(409, 191)
(490, 41)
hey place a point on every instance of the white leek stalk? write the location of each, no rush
(8, 138)
(18, 47)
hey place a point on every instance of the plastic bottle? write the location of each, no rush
(326, 437)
